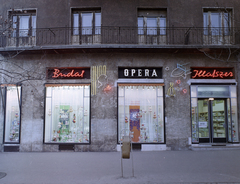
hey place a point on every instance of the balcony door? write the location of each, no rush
(217, 26)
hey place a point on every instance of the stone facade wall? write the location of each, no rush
(104, 105)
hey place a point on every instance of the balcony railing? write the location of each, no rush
(121, 35)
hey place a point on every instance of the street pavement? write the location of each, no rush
(198, 167)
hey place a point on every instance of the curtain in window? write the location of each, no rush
(216, 23)
(67, 114)
(33, 25)
(75, 24)
(226, 19)
(14, 26)
(140, 110)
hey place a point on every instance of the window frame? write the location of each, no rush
(224, 28)
(19, 93)
(45, 114)
(145, 15)
(15, 17)
(158, 97)
(78, 29)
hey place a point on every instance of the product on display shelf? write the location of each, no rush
(14, 129)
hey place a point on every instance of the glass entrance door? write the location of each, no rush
(212, 120)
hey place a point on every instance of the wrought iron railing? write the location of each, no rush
(120, 35)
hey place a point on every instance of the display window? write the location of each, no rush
(141, 112)
(67, 113)
(214, 114)
(12, 113)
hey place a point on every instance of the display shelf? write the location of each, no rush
(218, 124)
(14, 131)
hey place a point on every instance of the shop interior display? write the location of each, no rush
(234, 126)
(67, 120)
(220, 119)
(14, 129)
(141, 113)
(214, 114)
(194, 124)
(12, 121)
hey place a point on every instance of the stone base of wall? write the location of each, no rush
(150, 147)
(178, 144)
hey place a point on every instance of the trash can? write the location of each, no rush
(126, 147)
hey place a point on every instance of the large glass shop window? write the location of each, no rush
(141, 112)
(12, 114)
(214, 114)
(67, 113)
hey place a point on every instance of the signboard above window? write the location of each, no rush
(139, 72)
(68, 73)
(212, 73)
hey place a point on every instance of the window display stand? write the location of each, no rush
(126, 149)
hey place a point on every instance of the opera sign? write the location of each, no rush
(137, 72)
(68, 73)
(212, 73)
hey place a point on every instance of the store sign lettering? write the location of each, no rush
(57, 74)
(215, 73)
(68, 73)
(139, 72)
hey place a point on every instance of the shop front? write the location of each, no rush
(67, 108)
(214, 106)
(141, 105)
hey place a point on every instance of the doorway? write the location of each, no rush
(212, 120)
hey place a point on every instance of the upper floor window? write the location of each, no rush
(152, 22)
(23, 23)
(217, 22)
(86, 22)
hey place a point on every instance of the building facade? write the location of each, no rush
(83, 74)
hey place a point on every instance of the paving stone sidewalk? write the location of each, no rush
(170, 167)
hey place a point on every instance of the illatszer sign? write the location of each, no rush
(137, 72)
(212, 73)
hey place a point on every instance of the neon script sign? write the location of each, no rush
(69, 73)
(57, 74)
(214, 73)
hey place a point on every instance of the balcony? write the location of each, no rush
(121, 37)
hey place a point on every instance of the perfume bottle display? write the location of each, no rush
(140, 113)
(70, 118)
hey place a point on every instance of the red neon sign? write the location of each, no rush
(199, 73)
(57, 74)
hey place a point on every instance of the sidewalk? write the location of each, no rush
(105, 167)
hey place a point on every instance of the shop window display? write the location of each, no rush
(140, 112)
(12, 114)
(67, 113)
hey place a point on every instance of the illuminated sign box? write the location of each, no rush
(139, 72)
(68, 73)
(212, 73)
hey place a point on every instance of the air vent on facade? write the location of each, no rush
(137, 147)
(66, 147)
(11, 148)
